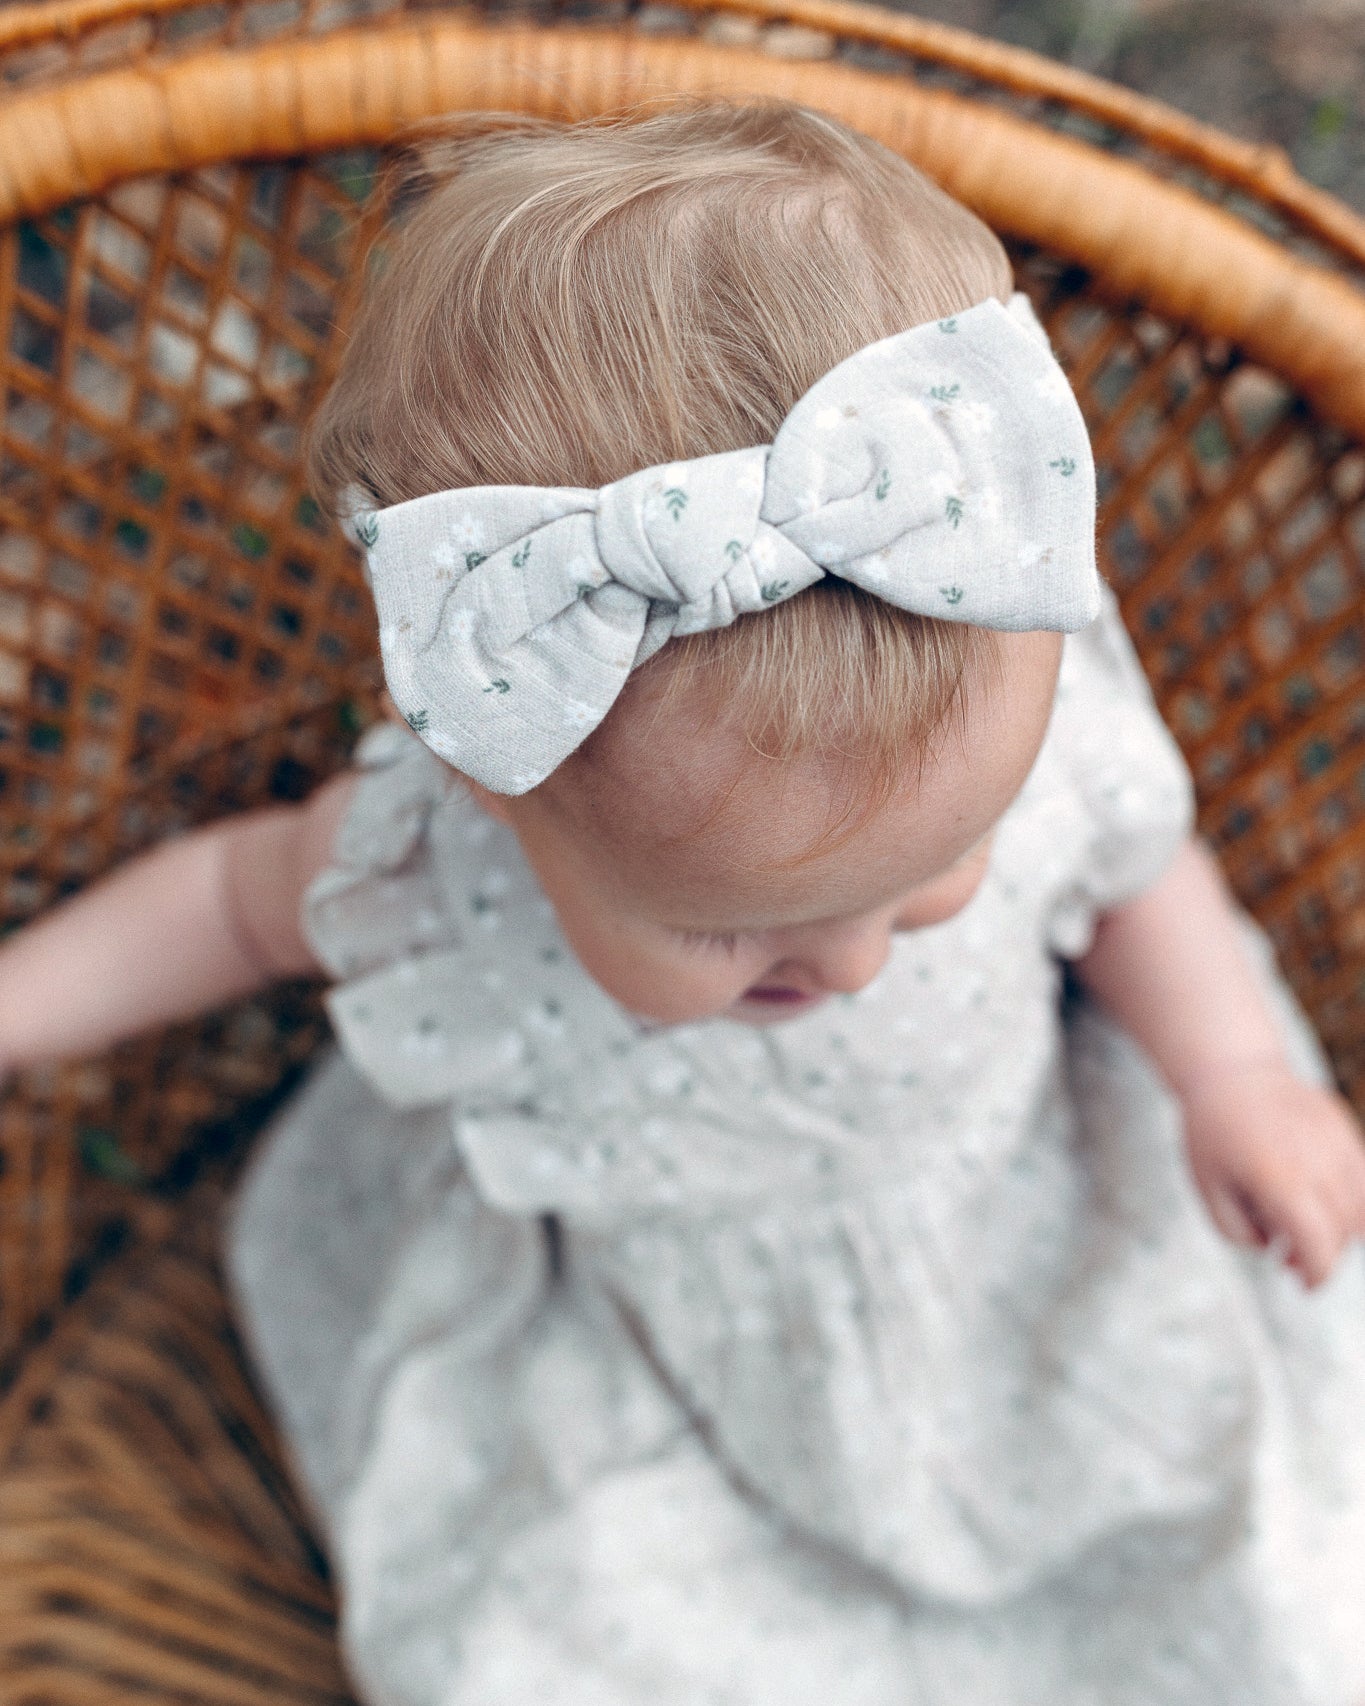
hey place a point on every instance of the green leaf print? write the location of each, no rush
(416, 721)
(773, 591)
(883, 485)
(734, 550)
(945, 393)
(1066, 464)
(952, 593)
(675, 498)
(498, 686)
(367, 530)
(947, 325)
(519, 557)
(953, 510)
(472, 559)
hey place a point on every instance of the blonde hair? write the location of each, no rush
(562, 304)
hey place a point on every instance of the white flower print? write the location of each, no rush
(749, 480)
(461, 622)
(577, 715)
(988, 503)
(442, 745)
(467, 535)
(445, 556)
(1032, 555)
(761, 552)
(977, 418)
(828, 418)
(1053, 385)
(546, 1019)
(669, 1077)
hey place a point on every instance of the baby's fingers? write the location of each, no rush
(1235, 1216)
(1315, 1236)
(1350, 1188)
(1329, 1215)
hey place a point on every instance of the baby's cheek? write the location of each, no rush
(654, 984)
(674, 994)
(945, 900)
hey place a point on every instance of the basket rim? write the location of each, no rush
(1198, 264)
(1263, 170)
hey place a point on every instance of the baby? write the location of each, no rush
(717, 1265)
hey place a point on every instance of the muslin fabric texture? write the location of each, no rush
(886, 1356)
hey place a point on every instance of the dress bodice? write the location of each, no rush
(458, 987)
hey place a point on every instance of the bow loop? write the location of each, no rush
(847, 479)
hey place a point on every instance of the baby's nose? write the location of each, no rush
(845, 960)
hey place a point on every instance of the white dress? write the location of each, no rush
(886, 1357)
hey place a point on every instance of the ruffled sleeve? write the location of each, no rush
(379, 898)
(1132, 788)
(380, 918)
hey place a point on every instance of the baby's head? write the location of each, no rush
(766, 801)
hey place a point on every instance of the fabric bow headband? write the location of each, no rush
(946, 469)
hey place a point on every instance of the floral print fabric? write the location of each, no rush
(946, 468)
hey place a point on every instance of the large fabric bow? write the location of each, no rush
(946, 469)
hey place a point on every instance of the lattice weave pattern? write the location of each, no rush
(150, 1544)
(181, 631)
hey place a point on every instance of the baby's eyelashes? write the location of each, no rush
(727, 941)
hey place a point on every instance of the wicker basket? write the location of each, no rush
(182, 191)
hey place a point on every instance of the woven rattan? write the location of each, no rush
(184, 190)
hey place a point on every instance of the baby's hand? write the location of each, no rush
(1278, 1162)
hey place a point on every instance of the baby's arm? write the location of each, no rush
(1275, 1158)
(200, 920)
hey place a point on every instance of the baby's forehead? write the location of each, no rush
(673, 798)
(688, 816)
